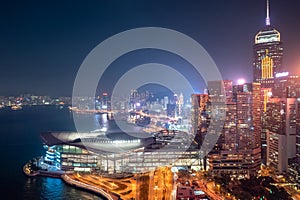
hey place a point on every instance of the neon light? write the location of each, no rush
(282, 74)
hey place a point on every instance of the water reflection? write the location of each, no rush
(53, 188)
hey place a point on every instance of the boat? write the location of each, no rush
(16, 107)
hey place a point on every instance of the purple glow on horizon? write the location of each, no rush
(241, 81)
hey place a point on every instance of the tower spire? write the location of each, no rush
(268, 14)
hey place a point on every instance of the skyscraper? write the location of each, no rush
(267, 51)
(281, 119)
(298, 141)
(238, 151)
(200, 117)
(200, 120)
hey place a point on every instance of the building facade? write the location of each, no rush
(86, 152)
(69, 158)
(238, 150)
(281, 119)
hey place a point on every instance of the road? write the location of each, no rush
(161, 184)
(87, 186)
(125, 187)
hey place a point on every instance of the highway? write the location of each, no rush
(161, 184)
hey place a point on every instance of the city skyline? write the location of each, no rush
(152, 100)
(45, 43)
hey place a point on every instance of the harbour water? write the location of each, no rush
(20, 141)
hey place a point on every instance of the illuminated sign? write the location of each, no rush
(282, 74)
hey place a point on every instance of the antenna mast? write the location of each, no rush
(268, 14)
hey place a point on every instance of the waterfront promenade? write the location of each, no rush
(85, 186)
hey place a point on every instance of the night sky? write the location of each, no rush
(43, 43)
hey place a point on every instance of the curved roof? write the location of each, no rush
(96, 142)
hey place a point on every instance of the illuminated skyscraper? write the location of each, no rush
(267, 52)
(200, 117)
(179, 103)
(200, 120)
(282, 85)
(298, 141)
(248, 104)
(281, 118)
(238, 150)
